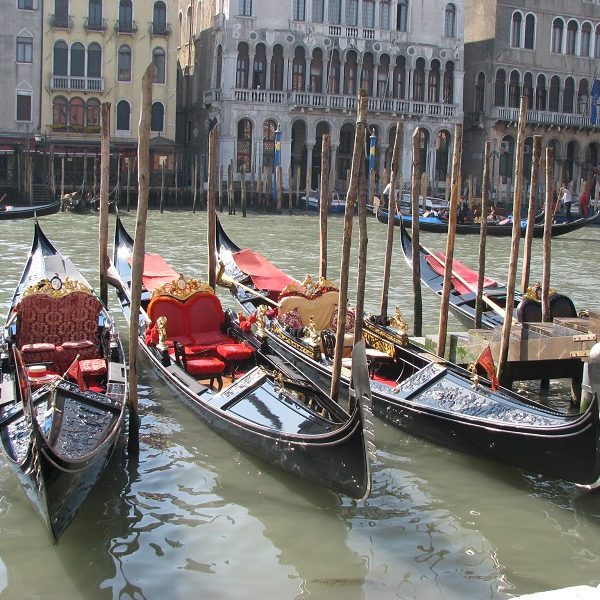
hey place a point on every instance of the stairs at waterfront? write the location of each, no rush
(41, 194)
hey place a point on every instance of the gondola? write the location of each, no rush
(416, 391)
(261, 403)
(527, 308)
(63, 385)
(26, 212)
(436, 225)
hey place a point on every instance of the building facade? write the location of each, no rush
(297, 66)
(547, 52)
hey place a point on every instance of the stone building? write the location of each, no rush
(257, 66)
(548, 52)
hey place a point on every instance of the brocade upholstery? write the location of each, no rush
(321, 308)
(291, 319)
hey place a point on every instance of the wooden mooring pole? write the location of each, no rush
(104, 185)
(323, 204)
(533, 188)
(485, 202)
(243, 189)
(211, 207)
(547, 241)
(363, 241)
(416, 265)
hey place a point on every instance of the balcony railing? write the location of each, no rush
(77, 84)
(129, 27)
(543, 117)
(61, 21)
(312, 101)
(163, 29)
(95, 24)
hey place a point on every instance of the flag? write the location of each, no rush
(486, 361)
(75, 373)
(595, 96)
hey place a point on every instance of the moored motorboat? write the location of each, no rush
(63, 385)
(411, 388)
(26, 212)
(262, 404)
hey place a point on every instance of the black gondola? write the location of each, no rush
(424, 394)
(271, 410)
(436, 225)
(63, 385)
(464, 286)
(26, 212)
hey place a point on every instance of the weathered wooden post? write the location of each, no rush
(230, 199)
(485, 200)
(95, 174)
(279, 190)
(454, 197)
(424, 188)
(243, 189)
(211, 209)
(357, 157)
(253, 187)
(62, 176)
(194, 184)
(139, 248)
(220, 184)
(162, 184)
(514, 250)
(416, 265)
(176, 181)
(387, 265)
(363, 241)
(307, 186)
(52, 174)
(533, 187)
(323, 203)
(290, 187)
(104, 185)
(306, 190)
(547, 241)
(201, 186)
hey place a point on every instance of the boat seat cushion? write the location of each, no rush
(234, 351)
(321, 308)
(176, 315)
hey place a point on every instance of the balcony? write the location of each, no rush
(61, 22)
(543, 118)
(77, 84)
(160, 29)
(126, 27)
(95, 24)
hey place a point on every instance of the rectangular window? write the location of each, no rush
(245, 7)
(384, 15)
(352, 13)
(335, 12)
(317, 11)
(368, 13)
(402, 16)
(24, 49)
(25, 5)
(298, 10)
(23, 106)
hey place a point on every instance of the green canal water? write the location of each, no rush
(193, 517)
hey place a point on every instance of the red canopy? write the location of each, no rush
(156, 271)
(462, 271)
(264, 274)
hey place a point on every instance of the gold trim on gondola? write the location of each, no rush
(50, 287)
(182, 288)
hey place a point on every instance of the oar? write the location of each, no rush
(495, 307)
(3, 196)
(227, 281)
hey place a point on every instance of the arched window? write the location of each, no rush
(441, 155)
(244, 144)
(158, 58)
(125, 15)
(554, 98)
(368, 13)
(259, 75)
(399, 78)
(514, 89)
(277, 68)
(316, 72)
(450, 21)
(123, 115)
(350, 74)
(299, 70)
(557, 35)
(95, 14)
(92, 112)
(159, 17)
(77, 67)
(433, 85)
(335, 12)
(568, 95)
(335, 65)
(402, 16)
(583, 97)
(515, 31)
(76, 112)
(61, 59)
(540, 93)
(219, 73)
(241, 74)
(124, 64)
(530, 32)
(368, 70)
(586, 39)
(94, 60)
(59, 111)
(572, 29)
(419, 81)
(157, 121)
(383, 70)
(269, 128)
(479, 92)
(528, 89)
(500, 88)
(449, 83)
(507, 151)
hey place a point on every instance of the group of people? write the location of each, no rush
(566, 199)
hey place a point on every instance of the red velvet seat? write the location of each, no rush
(205, 367)
(234, 354)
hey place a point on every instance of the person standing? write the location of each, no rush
(567, 199)
(584, 204)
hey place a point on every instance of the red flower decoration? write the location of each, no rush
(252, 318)
(245, 325)
(151, 337)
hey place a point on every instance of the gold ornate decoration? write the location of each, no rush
(45, 286)
(584, 313)
(534, 292)
(161, 327)
(261, 320)
(472, 368)
(310, 331)
(182, 288)
(308, 288)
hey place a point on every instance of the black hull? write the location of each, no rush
(492, 230)
(339, 459)
(437, 402)
(26, 212)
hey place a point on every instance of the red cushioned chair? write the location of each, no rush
(206, 318)
(234, 354)
(178, 324)
(206, 367)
